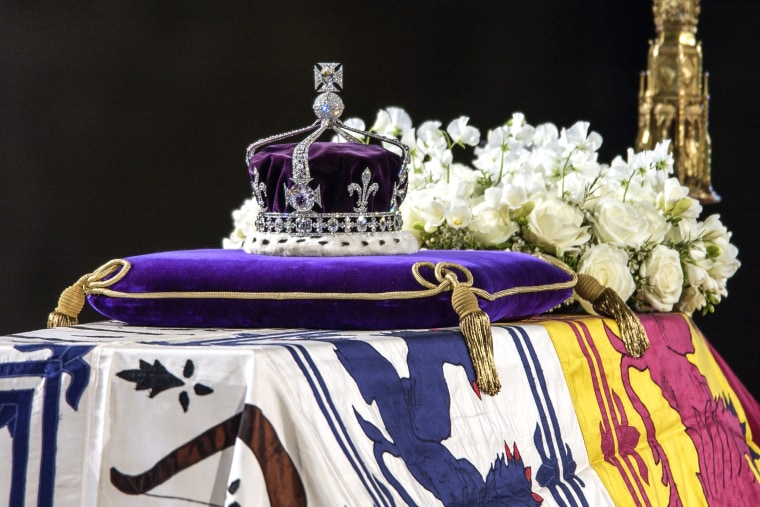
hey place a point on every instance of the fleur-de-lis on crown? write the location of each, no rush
(364, 192)
(259, 189)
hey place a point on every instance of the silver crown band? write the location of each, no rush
(322, 224)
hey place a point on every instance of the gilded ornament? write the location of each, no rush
(674, 96)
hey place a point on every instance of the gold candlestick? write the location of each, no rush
(673, 96)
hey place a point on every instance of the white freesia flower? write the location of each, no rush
(519, 128)
(712, 229)
(354, 123)
(662, 158)
(609, 266)
(514, 196)
(578, 137)
(462, 133)
(664, 278)
(430, 138)
(458, 213)
(724, 261)
(675, 202)
(392, 122)
(542, 188)
(463, 179)
(698, 278)
(546, 135)
(691, 300)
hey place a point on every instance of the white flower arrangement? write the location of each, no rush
(630, 224)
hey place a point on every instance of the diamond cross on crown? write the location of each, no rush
(328, 77)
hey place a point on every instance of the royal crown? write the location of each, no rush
(316, 195)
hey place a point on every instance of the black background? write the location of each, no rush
(123, 125)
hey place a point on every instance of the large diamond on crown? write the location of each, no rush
(301, 197)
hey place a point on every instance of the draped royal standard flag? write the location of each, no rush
(663, 429)
(108, 414)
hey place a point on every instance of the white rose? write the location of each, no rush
(619, 224)
(664, 276)
(657, 226)
(609, 265)
(557, 227)
(491, 225)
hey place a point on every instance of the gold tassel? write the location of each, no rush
(72, 298)
(476, 328)
(70, 304)
(607, 302)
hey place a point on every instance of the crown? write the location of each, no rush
(316, 195)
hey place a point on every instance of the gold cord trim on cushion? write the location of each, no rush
(94, 284)
(71, 301)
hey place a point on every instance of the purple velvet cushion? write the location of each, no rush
(230, 288)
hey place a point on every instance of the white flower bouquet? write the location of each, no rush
(630, 224)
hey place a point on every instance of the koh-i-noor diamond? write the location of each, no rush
(300, 197)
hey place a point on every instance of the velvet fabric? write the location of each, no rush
(236, 271)
(333, 166)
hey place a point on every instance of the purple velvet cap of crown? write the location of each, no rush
(333, 166)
